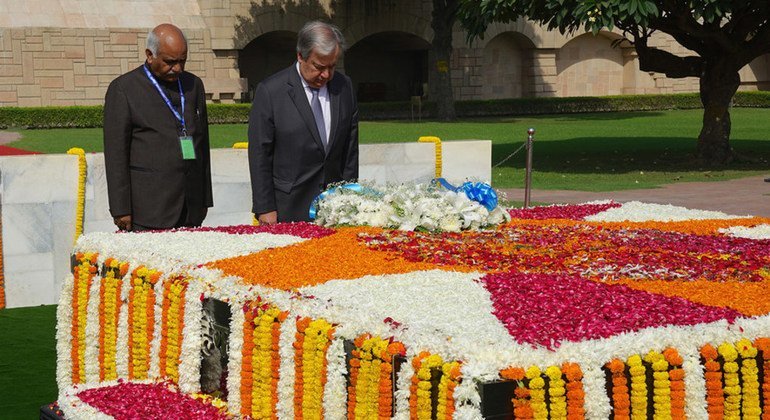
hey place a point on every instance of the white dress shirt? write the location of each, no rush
(323, 97)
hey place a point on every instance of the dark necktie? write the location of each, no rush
(318, 114)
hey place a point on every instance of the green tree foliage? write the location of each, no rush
(723, 36)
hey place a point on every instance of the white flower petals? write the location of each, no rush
(635, 211)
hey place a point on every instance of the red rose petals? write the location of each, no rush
(548, 309)
(148, 401)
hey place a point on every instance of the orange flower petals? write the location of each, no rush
(743, 297)
(512, 373)
(310, 262)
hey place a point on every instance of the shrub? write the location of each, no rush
(92, 116)
(51, 117)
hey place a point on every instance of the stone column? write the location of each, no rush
(542, 78)
(635, 81)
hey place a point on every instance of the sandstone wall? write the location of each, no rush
(65, 52)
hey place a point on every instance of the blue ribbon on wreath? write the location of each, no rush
(352, 186)
(479, 192)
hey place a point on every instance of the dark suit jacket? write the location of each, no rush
(146, 175)
(288, 165)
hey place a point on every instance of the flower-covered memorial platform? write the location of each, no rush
(598, 310)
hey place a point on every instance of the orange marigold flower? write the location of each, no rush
(763, 345)
(709, 352)
(616, 366)
(512, 373)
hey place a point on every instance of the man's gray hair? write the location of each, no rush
(322, 37)
(153, 41)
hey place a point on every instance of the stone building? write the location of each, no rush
(66, 52)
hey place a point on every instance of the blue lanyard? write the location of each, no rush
(179, 118)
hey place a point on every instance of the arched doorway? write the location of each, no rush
(265, 55)
(756, 75)
(505, 58)
(388, 66)
(589, 66)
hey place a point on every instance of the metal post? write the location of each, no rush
(528, 170)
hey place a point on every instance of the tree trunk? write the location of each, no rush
(443, 19)
(718, 85)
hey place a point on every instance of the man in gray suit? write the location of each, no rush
(156, 140)
(303, 129)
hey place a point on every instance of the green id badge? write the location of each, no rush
(188, 151)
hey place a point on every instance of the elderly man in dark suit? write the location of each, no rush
(303, 129)
(156, 140)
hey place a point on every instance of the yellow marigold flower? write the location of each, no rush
(635, 360)
(730, 367)
(660, 365)
(553, 373)
(424, 374)
(533, 372)
(537, 383)
(728, 352)
(746, 349)
(424, 386)
(434, 360)
(652, 357)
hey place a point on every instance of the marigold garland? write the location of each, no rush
(312, 341)
(437, 142)
(450, 378)
(84, 272)
(557, 393)
(661, 392)
(750, 407)
(247, 370)
(109, 313)
(763, 346)
(575, 393)
(676, 378)
(638, 373)
(522, 409)
(715, 400)
(81, 199)
(621, 403)
(141, 321)
(420, 402)
(172, 327)
(371, 367)
(537, 393)
(261, 359)
(732, 387)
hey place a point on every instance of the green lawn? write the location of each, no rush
(27, 361)
(594, 152)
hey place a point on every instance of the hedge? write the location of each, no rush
(51, 116)
(91, 116)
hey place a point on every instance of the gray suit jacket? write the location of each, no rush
(146, 175)
(288, 165)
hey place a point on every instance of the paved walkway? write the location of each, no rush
(745, 196)
(8, 136)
